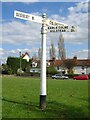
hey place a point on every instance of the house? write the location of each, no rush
(36, 66)
(35, 70)
(25, 56)
(35, 63)
(82, 66)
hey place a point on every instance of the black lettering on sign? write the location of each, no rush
(21, 15)
(17, 14)
(66, 27)
(32, 18)
(27, 16)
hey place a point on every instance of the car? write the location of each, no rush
(57, 76)
(81, 77)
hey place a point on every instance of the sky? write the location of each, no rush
(25, 36)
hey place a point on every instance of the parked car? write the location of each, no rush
(81, 77)
(57, 76)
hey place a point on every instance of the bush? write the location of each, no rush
(51, 70)
(14, 63)
(89, 76)
(6, 69)
(35, 74)
(30, 74)
(72, 75)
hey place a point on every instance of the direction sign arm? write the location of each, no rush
(26, 16)
(55, 26)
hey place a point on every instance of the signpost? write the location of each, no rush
(26, 16)
(47, 26)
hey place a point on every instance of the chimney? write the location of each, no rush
(75, 57)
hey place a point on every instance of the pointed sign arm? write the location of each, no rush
(51, 24)
(26, 16)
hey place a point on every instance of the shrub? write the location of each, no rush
(14, 63)
(51, 70)
(6, 69)
(71, 75)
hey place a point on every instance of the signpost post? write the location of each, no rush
(50, 26)
(43, 64)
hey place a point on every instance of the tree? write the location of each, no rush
(39, 53)
(70, 64)
(52, 51)
(6, 69)
(61, 48)
(51, 70)
(14, 63)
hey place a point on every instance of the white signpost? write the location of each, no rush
(47, 26)
(26, 16)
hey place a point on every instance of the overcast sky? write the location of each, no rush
(20, 35)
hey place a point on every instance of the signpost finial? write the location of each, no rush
(44, 15)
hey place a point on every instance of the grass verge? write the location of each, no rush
(65, 98)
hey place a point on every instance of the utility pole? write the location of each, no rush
(50, 26)
(20, 62)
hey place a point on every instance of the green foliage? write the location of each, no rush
(69, 64)
(89, 76)
(51, 70)
(6, 69)
(28, 69)
(14, 63)
(10, 71)
(70, 71)
(72, 75)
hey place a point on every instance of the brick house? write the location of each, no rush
(82, 65)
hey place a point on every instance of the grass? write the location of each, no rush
(65, 98)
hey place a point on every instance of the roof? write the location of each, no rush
(83, 62)
(80, 62)
(55, 62)
(23, 55)
(36, 61)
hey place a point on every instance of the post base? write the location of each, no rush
(42, 101)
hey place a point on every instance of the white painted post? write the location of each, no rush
(55, 28)
(43, 65)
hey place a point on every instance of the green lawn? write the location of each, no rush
(65, 98)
